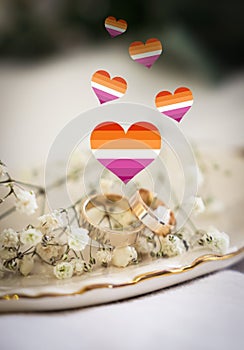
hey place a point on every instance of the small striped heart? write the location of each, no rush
(107, 89)
(114, 27)
(147, 53)
(174, 105)
(125, 154)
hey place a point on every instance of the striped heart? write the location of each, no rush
(146, 54)
(107, 89)
(125, 153)
(114, 27)
(174, 105)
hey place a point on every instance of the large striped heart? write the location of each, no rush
(107, 89)
(115, 27)
(125, 153)
(146, 54)
(174, 105)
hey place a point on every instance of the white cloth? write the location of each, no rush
(206, 313)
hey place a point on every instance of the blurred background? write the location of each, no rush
(49, 50)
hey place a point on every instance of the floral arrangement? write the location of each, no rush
(58, 241)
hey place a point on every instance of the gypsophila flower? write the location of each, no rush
(26, 265)
(78, 239)
(144, 245)
(9, 238)
(50, 252)
(52, 221)
(26, 202)
(30, 236)
(104, 256)
(63, 270)
(171, 245)
(123, 256)
(215, 240)
(199, 206)
(78, 266)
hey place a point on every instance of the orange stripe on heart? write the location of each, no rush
(107, 89)
(115, 27)
(125, 153)
(174, 105)
(147, 53)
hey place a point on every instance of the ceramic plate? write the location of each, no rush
(106, 285)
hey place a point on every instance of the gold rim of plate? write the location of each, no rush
(137, 279)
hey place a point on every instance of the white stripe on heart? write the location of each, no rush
(126, 153)
(146, 54)
(106, 89)
(175, 106)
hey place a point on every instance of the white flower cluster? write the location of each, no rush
(215, 240)
(19, 250)
(177, 244)
(9, 238)
(30, 236)
(123, 256)
(199, 206)
(171, 245)
(12, 247)
(63, 270)
(119, 257)
(51, 221)
(104, 256)
(144, 243)
(78, 239)
(26, 202)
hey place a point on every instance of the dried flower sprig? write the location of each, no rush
(25, 199)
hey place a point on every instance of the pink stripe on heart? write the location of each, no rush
(125, 169)
(144, 162)
(147, 61)
(177, 113)
(113, 32)
(104, 96)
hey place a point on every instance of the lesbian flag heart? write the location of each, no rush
(107, 89)
(125, 153)
(146, 54)
(174, 105)
(115, 27)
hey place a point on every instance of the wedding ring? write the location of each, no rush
(110, 220)
(143, 203)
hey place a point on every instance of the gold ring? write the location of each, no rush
(143, 203)
(110, 220)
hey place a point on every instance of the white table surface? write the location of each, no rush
(36, 102)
